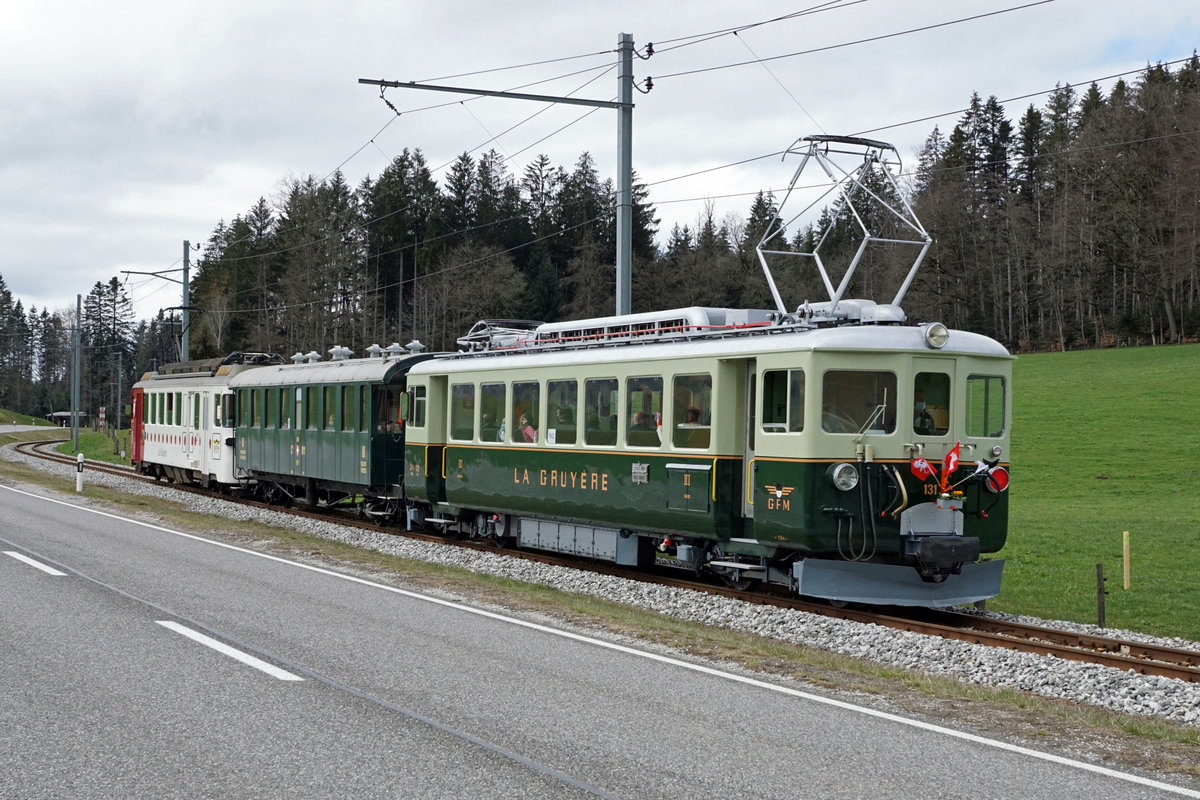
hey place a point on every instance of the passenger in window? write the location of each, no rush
(923, 423)
(693, 416)
(500, 432)
(642, 422)
(527, 431)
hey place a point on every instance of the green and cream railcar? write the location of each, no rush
(325, 431)
(789, 454)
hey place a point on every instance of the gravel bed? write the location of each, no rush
(1117, 690)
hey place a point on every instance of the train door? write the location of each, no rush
(137, 427)
(750, 416)
(210, 438)
(188, 429)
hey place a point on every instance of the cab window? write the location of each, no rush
(931, 404)
(783, 401)
(985, 405)
(418, 407)
(858, 400)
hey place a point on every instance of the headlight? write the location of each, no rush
(996, 451)
(936, 335)
(844, 476)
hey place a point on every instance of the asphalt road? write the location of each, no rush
(107, 689)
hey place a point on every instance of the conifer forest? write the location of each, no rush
(1070, 224)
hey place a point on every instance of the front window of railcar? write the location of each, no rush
(931, 404)
(858, 400)
(985, 406)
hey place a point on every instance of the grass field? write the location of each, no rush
(1103, 441)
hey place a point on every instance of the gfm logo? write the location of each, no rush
(777, 497)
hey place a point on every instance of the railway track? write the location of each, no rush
(1148, 659)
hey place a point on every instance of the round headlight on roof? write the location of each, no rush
(936, 335)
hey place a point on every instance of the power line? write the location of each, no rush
(700, 38)
(881, 37)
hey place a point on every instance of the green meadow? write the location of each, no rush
(1106, 441)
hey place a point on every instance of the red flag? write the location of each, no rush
(922, 468)
(949, 464)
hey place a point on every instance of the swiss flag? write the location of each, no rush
(922, 468)
(949, 464)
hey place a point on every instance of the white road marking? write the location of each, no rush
(224, 649)
(784, 690)
(38, 564)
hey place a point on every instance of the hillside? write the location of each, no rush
(1103, 442)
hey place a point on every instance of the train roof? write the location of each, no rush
(744, 336)
(345, 370)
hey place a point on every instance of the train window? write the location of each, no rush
(330, 408)
(644, 412)
(196, 412)
(601, 399)
(256, 401)
(692, 411)
(312, 400)
(858, 400)
(564, 409)
(364, 415)
(462, 411)
(418, 407)
(272, 408)
(783, 401)
(150, 407)
(244, 408)
(985, 405)
(349, 408)
(526, 408)
(285, 409)
(227, 410)
(931, 404)
(493, 399)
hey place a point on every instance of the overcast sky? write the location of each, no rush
(127, 127)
